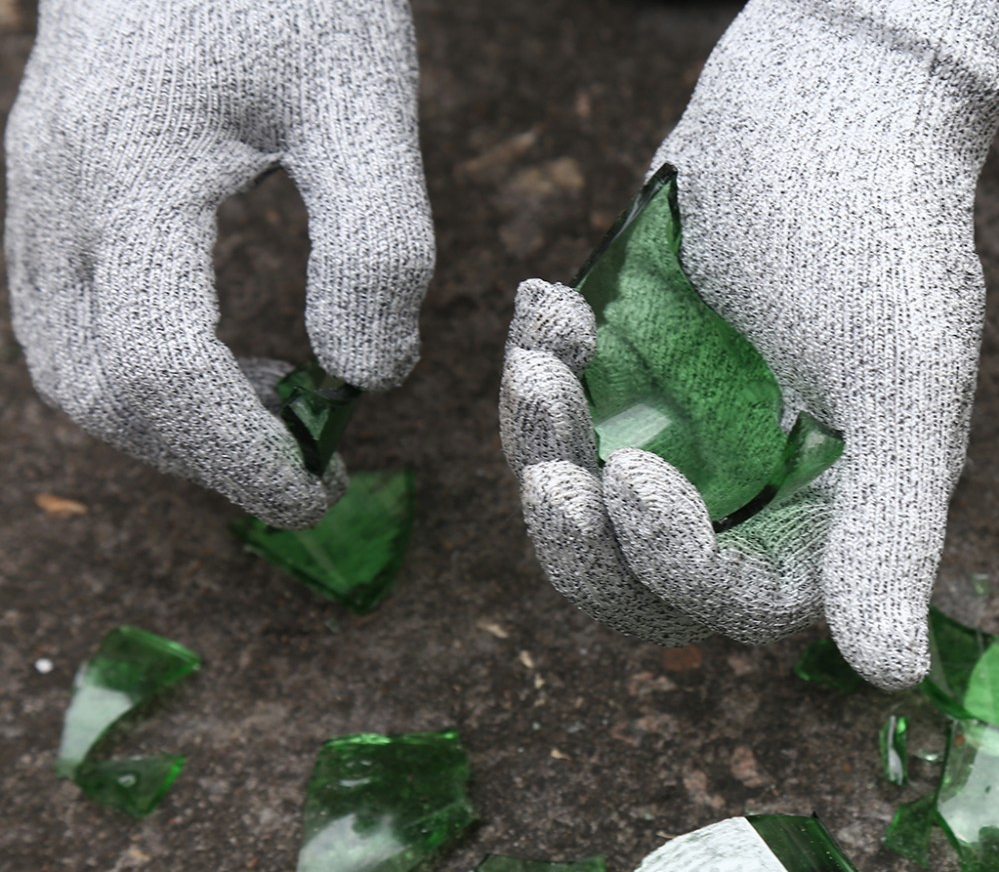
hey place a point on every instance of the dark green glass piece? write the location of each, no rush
(353, 553)
(498, 863)
(895, 749)
(967, 805)
(130, 667)
(910, 829)
(134, 785)
(821, 663)
(801, 843)
(964, 670)
(674, 378)
(316, 408)
(384, 803)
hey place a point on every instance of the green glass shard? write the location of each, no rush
(353, 553)
(955, 654)
(672, 377)
(821, 663)
(895, 749)
(384, 803)
(130, 667)
(801, 843)
(909, 832)
(967, 804)
(316, 408)
(498, 863)
(134, 785)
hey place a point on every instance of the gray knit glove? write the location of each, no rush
(135, 119)
(827, 165)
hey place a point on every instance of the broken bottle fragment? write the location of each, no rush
(316, 408)
(130, 668)
(353, 553)
(380, 803)
(672, 377)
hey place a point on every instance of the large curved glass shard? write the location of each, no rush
(353, 553)
(674, 378)
(130, 667)
(380, 803)
(968, 798)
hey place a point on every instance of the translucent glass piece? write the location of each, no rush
(498, 863)
(821, 663)
(968, 799)
(895, 749)
(962, 681)
(316, 408)
(130, 667)
(134, 785)
(673, 377)
(353, 553)
(909, 832)
(801, 843)
(384, 803)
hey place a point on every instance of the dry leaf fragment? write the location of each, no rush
(493, 628)
(61, 507)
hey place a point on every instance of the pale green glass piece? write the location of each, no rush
(895, 749)
(963, 663)
(384, 803)
(352, 555)
(967, 805)
(672, 377)
(801, 843)
(910, 829)
(134, 785)
(130, 667)
(498, 863)
(316, 408)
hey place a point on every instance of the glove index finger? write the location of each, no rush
(553, 318)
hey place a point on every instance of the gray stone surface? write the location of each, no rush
(538, 122)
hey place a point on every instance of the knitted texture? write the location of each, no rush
(135, 119)
(826, 167)
(731, 845)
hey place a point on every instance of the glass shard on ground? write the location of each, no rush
(498, 863)
(967, 803)
(801, 843)
(316, 408)
(380, 803)
(895, 749)
(130, 668)
(353, 553)
(674, 378)
(134, 785)
(910, 829)
(821, 663)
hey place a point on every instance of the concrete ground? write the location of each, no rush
(538, 121)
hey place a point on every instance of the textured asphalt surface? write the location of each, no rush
(538, 120)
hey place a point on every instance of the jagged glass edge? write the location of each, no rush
(660, 179)
(802, 844)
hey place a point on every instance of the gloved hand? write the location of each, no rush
(826, 168)
(134, 121)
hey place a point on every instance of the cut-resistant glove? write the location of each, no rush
(827, 164)
(134, 121)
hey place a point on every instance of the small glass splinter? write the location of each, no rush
(316, 408)
(672, 377)
(131, 667)
(353, 553)
(384, 803)
(895, 749)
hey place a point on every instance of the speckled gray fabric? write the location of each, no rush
(134, 121)
(827, 166)
(731, 845)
